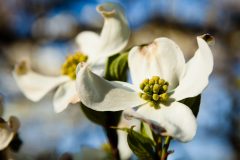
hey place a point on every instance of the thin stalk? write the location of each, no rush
(4, 154)
(113, 141)
(165, 148)
(158, 147)
(112, 133)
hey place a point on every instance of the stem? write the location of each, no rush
(159, 146)
(4, 154)
(112, 133)
(106, 120)
(113, 141)
(165, 148)
(158, 139)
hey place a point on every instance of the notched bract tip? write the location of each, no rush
(21, 68)
(208, 38)
(14, 123)
(106, 10)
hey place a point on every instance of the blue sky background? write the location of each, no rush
(51, 25)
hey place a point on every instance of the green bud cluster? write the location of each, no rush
(154, 91)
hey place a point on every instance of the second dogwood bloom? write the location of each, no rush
(161, 78)
(94, 50)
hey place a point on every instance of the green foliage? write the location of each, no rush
(143, 147)
(145, 130)
(193, 103)
(105, 119)
(116, 67)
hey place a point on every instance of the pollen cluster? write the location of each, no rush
(69, 66)
(154, 91)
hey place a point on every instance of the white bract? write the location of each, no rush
(94, 50)
(164, 59)
(8, 131)
(124, 150)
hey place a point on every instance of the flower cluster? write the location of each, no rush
(8, 133)
(93, 51)
(161, 78)
(162, 58)
(154, 91)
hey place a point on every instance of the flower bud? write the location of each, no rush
(156, 79)
(164, 88)
(142, 85)
(161, 82)
(151, 81)
(156, 88)
(140, 94)
(164, 97)
(146, 88)
(146, 81)
(155, 97)
(145, 96)
(151, 103)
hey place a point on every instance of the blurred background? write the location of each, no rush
(42, 32)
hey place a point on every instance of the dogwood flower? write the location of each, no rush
(94, 49)
(161, 78)
(8, 131)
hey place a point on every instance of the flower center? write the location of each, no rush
(154, 91)
(69, 66)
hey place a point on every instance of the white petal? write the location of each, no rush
(65, 94)
(34, 86)
(7, 131)
(102, 95)
(126, 86)
(161, 58)
(131, 113)
(86, 40)
(115, 33)
(177, 119)
(113, 38)
(98, 66)
(197, 72)
(6, 136)
(125, 151)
